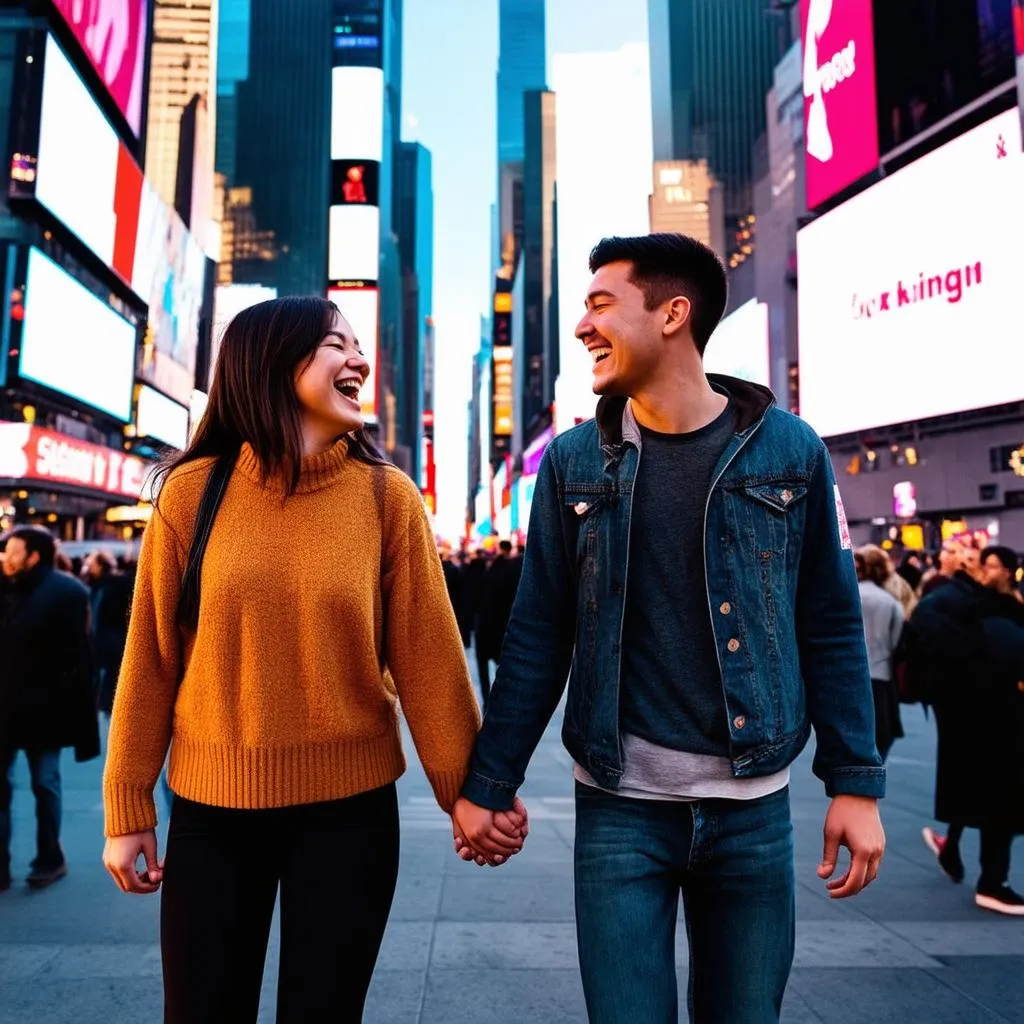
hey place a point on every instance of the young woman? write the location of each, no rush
(276, 683)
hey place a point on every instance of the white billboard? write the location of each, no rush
(73, 342)
(158, 417)
(361, 308)
(739, 346)
(357, 113)
(353, 243)
(909, 294)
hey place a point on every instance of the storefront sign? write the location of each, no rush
(33, 454)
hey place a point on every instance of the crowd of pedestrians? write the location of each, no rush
(264, 683)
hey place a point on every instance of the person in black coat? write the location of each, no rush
(110, 604)
(965, 653)
(46, 693)
(501, 582)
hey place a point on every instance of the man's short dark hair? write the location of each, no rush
(666, 265)
(505, 547)
(1007, 556)
(36, 540)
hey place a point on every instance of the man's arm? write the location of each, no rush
(833, 654)
(536, 656)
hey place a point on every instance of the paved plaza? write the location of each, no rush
(467, 945)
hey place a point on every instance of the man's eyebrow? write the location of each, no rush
(599, 294)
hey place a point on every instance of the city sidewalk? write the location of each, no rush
(467, 945)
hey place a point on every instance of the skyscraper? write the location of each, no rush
(522, 66)
(283, 138)
(711, 66)
(183, 66)
(232, 68)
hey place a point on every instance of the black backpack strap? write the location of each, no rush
(380, 485)
(213, 495)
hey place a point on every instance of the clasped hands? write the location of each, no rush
(488, 837)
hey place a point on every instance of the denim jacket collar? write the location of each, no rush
(617, 424)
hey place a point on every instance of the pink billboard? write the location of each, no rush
(840, 113)
(113, 35)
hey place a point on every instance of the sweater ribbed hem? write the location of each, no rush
(447, 787)
(258, 778)
(127, 809)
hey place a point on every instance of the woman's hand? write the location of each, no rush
(120, 858)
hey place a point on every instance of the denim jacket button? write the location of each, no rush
(726, 608)
(733, 645)
(739, 721)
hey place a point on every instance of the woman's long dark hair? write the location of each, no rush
(252, 397)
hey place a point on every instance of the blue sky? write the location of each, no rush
(448, 104)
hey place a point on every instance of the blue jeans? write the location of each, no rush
(733, 863)
(44, 767)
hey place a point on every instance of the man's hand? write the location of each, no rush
(853, 822)
(488, 837)
(120, 858)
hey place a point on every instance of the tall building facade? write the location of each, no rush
(522, 66)
(414, 220)
(283, 138)
(539, 355)
(183, 66)
(711, 66)
(232, 68)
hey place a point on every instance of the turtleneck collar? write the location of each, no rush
(316, 471)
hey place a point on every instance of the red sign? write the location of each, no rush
(840, 112)
(31, 453)
(113, 35)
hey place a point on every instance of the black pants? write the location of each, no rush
(996, 848)
(337, 867)
(483, 671)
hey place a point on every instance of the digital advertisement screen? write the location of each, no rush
(353, 241)
(739, 346)
(169, 273)
(113, 36)
(357, 113)
(361, 307)
(158, 417)
(73, 342)
(909, 297)
(934, 57)
(840, 124)
(355, 182)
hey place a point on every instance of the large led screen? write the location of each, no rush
(357, 113)
(77, 169)
(361, 307)
(113, 35)
(910, 293)
(739, 346)
(840, 118)
(73, 342)
(158, 417)
(353, 243)
(118, 215)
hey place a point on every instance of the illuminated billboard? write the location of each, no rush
(156, 416)
(353, 243)
(361, 308)
(503, 423)
(73, 342)
(105, 201)
(357, 113)
(909, 298)
(113, 35)
(739, 346)
(355, 182)
(840, 115)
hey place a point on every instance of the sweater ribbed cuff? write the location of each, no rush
(447, 787)
(128, 809)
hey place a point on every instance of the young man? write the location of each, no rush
(689, 562)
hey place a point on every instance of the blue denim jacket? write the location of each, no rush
(782, 596)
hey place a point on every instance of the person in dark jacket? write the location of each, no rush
(46, 695)
(474, 599)
(110, 603)
(501, 582)
(966, 653)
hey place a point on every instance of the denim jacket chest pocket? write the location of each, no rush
(587, 506)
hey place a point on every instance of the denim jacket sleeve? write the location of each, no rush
(536, 656)
(833, 652)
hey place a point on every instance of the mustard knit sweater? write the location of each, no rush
(279, 698)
